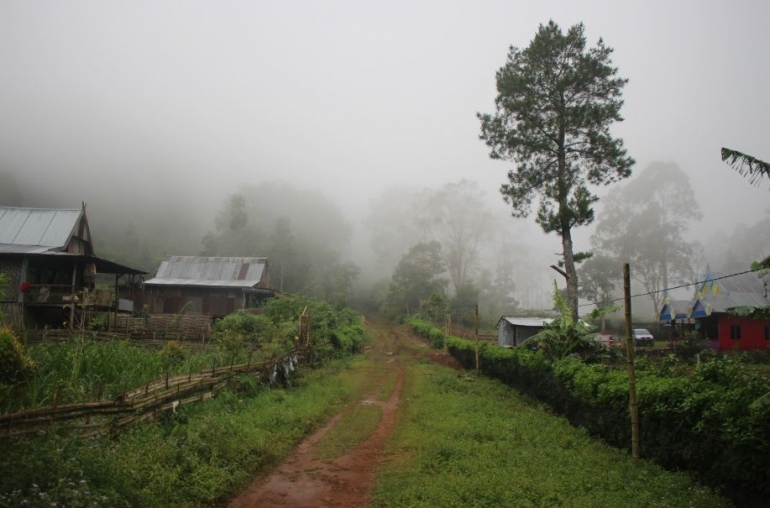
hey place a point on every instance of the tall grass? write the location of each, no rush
(195, 457)
(83, 371)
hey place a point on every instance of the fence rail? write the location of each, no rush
(64, 336)
(139, 404)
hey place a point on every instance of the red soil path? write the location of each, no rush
(305, 481)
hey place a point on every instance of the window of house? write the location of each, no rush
(735, 332)
(767, 333)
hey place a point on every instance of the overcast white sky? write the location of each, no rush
(352, 96)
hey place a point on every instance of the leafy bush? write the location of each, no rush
(709, 421)
(173, 353)
(436, 336)
(15, 365)
(334, 332)
(98, 322)
(248, 327)
(690, 346)
(349, 339)
(565, 336)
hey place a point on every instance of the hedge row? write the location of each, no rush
(708, 419)
(436, 336)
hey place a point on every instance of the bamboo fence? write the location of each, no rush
(141, 404)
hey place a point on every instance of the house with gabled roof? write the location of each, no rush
(717, 310)
(48, 259)
(721, 311)
(212, 286)
(676, 313)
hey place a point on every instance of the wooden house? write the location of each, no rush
(48, 259)
(212, 286)
(512, 331)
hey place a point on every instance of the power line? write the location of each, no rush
(711, 279)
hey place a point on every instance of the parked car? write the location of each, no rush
(606, 339)
(642, 337)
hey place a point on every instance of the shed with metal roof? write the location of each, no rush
(213, 286)
(512, 331)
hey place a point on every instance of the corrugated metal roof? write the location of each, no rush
(527, 321)
(742, 283)
(23, 249)
(37, 226)
(209, 271)
(741, 290)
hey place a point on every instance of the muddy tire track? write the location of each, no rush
(302, 480)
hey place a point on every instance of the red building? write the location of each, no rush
(723, 308)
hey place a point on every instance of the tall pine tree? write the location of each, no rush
(555, 104)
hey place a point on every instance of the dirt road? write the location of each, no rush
(345, 481)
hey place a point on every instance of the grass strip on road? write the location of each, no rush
(351, 430)
(473, 442)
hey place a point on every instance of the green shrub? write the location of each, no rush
(436, 336)
(704, 420)
(173, 353)
(15, 365)
(253, 328)
(349, 339)
(334, 332)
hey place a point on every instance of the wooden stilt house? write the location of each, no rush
(48, 260)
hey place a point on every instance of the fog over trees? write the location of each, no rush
(646, 222)
(335, 139)
(307, 238)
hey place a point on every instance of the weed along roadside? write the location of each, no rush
(387, 428)
(458, 440)
(197, 454)
(468, 441)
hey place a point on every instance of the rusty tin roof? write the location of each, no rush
(235, 272)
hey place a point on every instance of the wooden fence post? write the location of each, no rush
(633, 405)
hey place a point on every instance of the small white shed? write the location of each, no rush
(512, 331)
